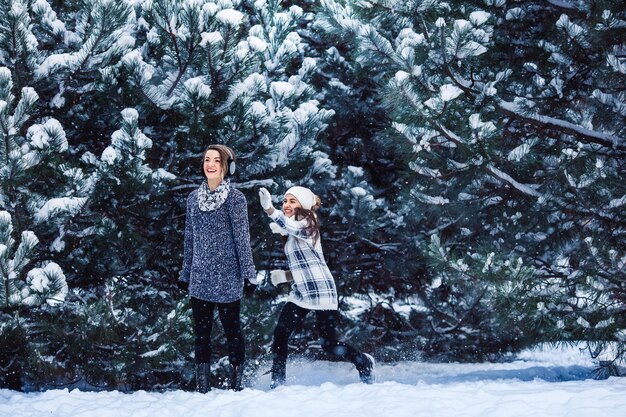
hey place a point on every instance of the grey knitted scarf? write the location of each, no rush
(211, 200)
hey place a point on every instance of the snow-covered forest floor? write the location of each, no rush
(542, 382)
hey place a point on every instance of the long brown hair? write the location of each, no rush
(313, 225)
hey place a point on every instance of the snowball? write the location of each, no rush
(432, 103)
(305, 112)
(39, 136)
(54, 62)
(242, 50)
(515, 13)
(258, 109)
(296, 11)
(210, 9)
(130, 115)
(39, 282)
(58, 100)
(356, 171)
(462, 25)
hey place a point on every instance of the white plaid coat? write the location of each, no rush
(313, 285)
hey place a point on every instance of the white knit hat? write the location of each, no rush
(304, 196)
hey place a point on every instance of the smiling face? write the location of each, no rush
(290, 203)
(213, 167)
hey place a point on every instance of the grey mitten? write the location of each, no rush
(278, 276)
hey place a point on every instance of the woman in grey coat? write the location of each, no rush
(217, 260)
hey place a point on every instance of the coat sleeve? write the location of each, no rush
(292, 227)
(188, 244)
(241, 236)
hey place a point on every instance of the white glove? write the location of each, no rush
(266, 198)
(253, 281)
(277, 229)
(279, 276)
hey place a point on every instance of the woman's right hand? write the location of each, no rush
(266, 199)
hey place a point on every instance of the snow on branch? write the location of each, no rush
(593, 136)
(565, 4)
(526, 189)
(508, 179)
(56, 206)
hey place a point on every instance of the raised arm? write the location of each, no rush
(290, 226)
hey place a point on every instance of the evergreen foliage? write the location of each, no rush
(517, 158)
(106, 193)
(469, 156)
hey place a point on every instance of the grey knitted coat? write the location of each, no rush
(217, 255)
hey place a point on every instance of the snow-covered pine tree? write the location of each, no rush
(22, 286)
(196, 72)
(44, 188)
(18, 43)
(37, 189)
(227, 72)
(125, 201)
(80, 45)
(69, 54)
(38, 192)
(222, 72)
(514, 113)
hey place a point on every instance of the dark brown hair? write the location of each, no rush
(223, 150)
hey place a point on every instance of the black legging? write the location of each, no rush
(202, 312)
(290, 318)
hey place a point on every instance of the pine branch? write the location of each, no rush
(562, 4)
(583, 134)
(383, 247)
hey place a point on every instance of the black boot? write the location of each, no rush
(203, 371)
(367, 369)
(279, 372)
(236, 377)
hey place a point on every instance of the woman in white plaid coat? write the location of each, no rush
(312, 285)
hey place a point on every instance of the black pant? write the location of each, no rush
(202, 312)
(291, 317)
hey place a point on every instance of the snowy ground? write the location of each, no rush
(543, 383)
